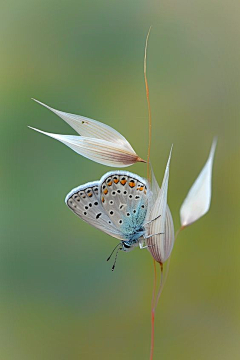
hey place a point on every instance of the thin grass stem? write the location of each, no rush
(152, 309)
(149, 107)
(161, 285)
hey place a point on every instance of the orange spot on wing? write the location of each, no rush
(123, 182)
(141, 188)
(109, 183)
(131, 184)
(103, 200)
(90, 194)
(116, 181)
(105, 191)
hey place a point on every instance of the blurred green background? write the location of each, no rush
(59, 297)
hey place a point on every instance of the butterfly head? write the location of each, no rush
(128, 245)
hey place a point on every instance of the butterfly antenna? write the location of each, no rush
(113, 252)
(113, 267)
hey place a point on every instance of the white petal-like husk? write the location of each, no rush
(198, 199)
(169, 236)
(91, 128)
(154, 185)
(101, 151)
(160, 246)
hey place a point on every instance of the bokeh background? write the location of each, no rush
(59, 297)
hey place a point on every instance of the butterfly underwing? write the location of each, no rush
(117, 204)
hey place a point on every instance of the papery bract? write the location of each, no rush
(101, 151)
(99, 142)
(198, 199)
(160, 229)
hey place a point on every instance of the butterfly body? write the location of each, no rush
(116, 204)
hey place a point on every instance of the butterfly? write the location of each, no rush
(117, 204)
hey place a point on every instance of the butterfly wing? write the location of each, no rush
(85, 202)
(124, 197)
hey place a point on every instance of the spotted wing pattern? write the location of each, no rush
(117, 204)
(124, 197)
(85, 202)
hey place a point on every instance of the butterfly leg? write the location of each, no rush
(145, 247)
(142, 245)
(147, 237)
(149, 222)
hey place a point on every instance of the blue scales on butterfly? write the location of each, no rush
(117, 204)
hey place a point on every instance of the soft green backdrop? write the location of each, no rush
(59, 298)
